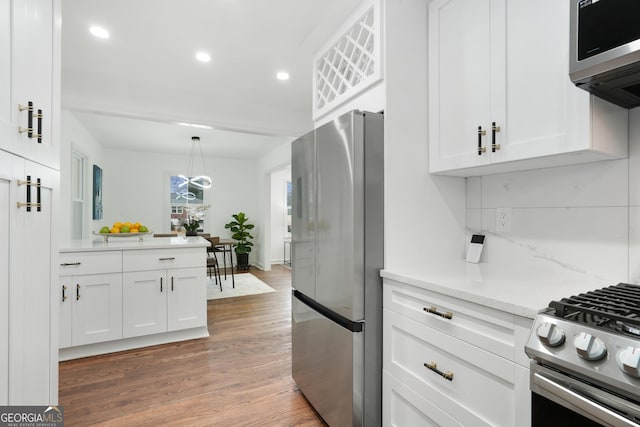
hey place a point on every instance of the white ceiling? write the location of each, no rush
(132, 89)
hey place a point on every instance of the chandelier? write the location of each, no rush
(200, 181)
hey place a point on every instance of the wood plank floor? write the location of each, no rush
(239, 376)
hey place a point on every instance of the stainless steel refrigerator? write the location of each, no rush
(337, 254)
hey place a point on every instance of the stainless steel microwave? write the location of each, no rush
(605, 49)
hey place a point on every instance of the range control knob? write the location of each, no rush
(590, 347)
(550, 334)
(629, 361)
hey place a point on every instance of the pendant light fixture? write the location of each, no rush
(201, 181)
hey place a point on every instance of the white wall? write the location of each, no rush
(424, 213)
(279, 214)
(277, 159)
(584, 217)
(74, 134)
(136, 188)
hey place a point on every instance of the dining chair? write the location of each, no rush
(212, 260)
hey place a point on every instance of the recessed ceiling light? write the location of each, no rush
(203, 57)
(99, 32)
(282, 75)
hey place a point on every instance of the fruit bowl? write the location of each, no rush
(107, 236)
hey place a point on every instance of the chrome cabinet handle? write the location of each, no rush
(171, 283)
(494, 130)
(64, 293)
(66, 264)
(161, 281)
(434, 310)
(481, 133)
(78, 292)
(433, 367)
(167, 259)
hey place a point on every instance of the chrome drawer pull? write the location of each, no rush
(167, 259)
(64, 293)
(434, 310)
(66, 264)
(433, 367)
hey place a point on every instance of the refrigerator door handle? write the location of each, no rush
(329, 314)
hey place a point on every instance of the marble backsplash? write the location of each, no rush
(584, 218)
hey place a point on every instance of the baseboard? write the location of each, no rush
(77, 352)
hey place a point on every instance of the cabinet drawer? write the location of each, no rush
(80, 263)
(480, 379)
(158, 259)
(490, 329)
(403, 407)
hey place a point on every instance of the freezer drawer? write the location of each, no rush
(327, 365)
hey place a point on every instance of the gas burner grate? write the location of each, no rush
(615, 307)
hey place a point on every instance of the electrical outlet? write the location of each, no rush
(503, 220)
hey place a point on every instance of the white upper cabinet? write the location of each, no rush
(461, 59)
(28, 79)
(500, 97)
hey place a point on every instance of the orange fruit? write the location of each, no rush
(117, 224)
(137, 225)
(133, 230)
(128, 224)
(114, 230)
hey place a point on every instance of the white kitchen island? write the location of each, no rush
(129, 293)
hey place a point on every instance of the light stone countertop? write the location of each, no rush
(132, 243)
(522, 290)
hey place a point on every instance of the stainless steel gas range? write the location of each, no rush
(585, 360)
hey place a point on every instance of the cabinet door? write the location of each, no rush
(144, 303)
(538, 89)
(65, 299)
(466, 79)
(97, 308)
(187, 306)
(31, 356)
(32, 74)
(5, 181)
(7, 130)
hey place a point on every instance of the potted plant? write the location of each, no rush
(239, 227)
(194, 219)
(191, 226)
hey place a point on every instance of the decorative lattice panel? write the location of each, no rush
(348, 65)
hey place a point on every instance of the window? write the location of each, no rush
(77, 194)
(183, 193)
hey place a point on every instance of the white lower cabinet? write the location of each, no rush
(90, 297)
(164, 290)
(90, 309)
(456, 369)
(163, 300)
